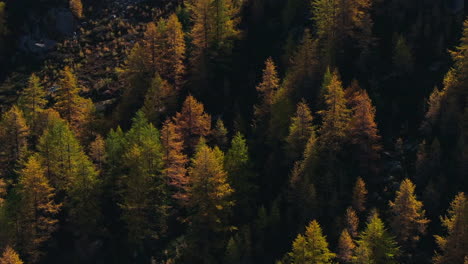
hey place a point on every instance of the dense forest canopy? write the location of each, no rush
(233, 131)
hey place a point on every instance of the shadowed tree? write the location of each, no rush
(453, 247)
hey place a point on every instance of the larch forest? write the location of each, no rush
(234, 131)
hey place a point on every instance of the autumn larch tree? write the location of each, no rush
(137, 75)
(364, 133)
(359, 195)
(159, 100)
(175, 161)
(304, 69)
(267, 89)
(375, 244)
(311, 248)
(170, 50)
(97, 151)
(210, 197)
(408, 216)
(300, 130)
(346, 247)
(70, 171)
(72, 107)
(37, 210)
(339, 21)
(76, 7)
(144, 198)
(336, 116)
(32, 100)
(164, 45)
(14, 133)
(453, 248)
(10, 256)
(192, 122)
(352, 222)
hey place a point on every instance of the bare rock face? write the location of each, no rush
(62, 21)
(42, 31)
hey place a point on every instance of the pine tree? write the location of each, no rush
(408, 216)
(32, 100)
(402, 56)
(335, 124)
(352, 222)
(3, 23)
(144, 190)
(71, 106)
(210, 196)
(192, 122)
(219, 134)
(375, 245)
(175, 161)
(304, 67)
(454, 246)
(10, 256)
(240, 175)
(77, 8)
(13, 134)
(224, 23)
(359, 195)
(59, 152)
(37, 209)
(233, 254)
(346, 247)
(326, 15)
(300, 130)
(311, 248)
(364, 132)
(267, 89)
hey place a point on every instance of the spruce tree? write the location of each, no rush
(375, 244)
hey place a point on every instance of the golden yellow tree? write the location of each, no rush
(71, 106)
(175, 161)
(37, 209)
(192, 122)
(10, 256)
(77, 8)
(13, 135)
(408, 216)
(359, 195)
(267, 88)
